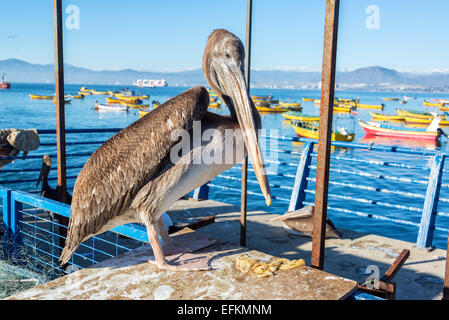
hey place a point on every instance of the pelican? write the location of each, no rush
(46, 190)
(132, 178)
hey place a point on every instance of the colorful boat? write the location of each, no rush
(274, 109)
(416, 114)
(307, 130)
(377, 129)
(364, 106)
(39, 97)
(385, 117)
(100, 93)
(84, 89)
(134, 106)
(143, 112)
(131, 99)
(339, 100)
(111, 107)
(308, 99)
(294, 115)
(85, 93)
(434, 104)
(262, 97)
(342, 109)
(289, 104)
(4, 84)
(78, 96)
(216, 105)
(390, 99)
(412, 120)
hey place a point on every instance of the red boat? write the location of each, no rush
(4, 84)
(376, 129)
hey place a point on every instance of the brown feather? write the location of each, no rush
(114, 174)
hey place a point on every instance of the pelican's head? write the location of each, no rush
(46, 165)
(223, 67)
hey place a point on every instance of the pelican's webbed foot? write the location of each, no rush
(183, 262)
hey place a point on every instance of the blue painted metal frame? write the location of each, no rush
(427, 225)
(298, 195)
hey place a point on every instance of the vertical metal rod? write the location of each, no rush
(60, 116)
(325, 132)
(243, 201)
(59, 91)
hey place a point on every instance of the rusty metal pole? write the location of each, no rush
(325, 132)
(59, 91)
(60, 117)
(244, 196)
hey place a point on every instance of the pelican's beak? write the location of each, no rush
(232, 81)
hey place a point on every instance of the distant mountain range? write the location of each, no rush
(370, 78)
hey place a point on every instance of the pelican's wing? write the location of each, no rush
(125, 163)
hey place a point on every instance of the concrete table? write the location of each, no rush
(130, 276)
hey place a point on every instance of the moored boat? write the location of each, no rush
(308, 99)
(415, 114)
(294, 115)
(4, 84)
(274, 109)
(390, 99)
(307, 130)
(377, 129)
(289, 104)
(100, 93)
(433, 104)
(40, 97)
(412, 120)
(385, 117)
(111, 107)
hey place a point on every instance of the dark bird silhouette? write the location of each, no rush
(46, 190)
(133, 178)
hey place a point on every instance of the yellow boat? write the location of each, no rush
(365, 106)
(38, 97)
(307, 130)
(134, 105)
(85, 93)
(300, 117)
(103, 93)
(433, 104)
(113, 100)
(444, 108)
(342, 109)
(214, 105)
(385, 117)
(143, 112)
(262, 98)
(339, 100)
(78, 96)
(308, 99)
(289, 104)
(421, 115)
(84, 89)
(412, 120)
(390, 99)
(274, 109)
(127, 98)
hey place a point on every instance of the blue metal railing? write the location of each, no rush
(31, 221)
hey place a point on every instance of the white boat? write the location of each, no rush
(149, 83)
(111, 107)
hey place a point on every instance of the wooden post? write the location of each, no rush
(302, 173)
(426, 227)
(244, 196)
(325, 132)
(60, 115)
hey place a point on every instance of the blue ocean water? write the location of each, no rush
(19, 111)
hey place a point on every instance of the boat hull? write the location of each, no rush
(397, 133)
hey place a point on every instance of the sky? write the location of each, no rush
(170, 35)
